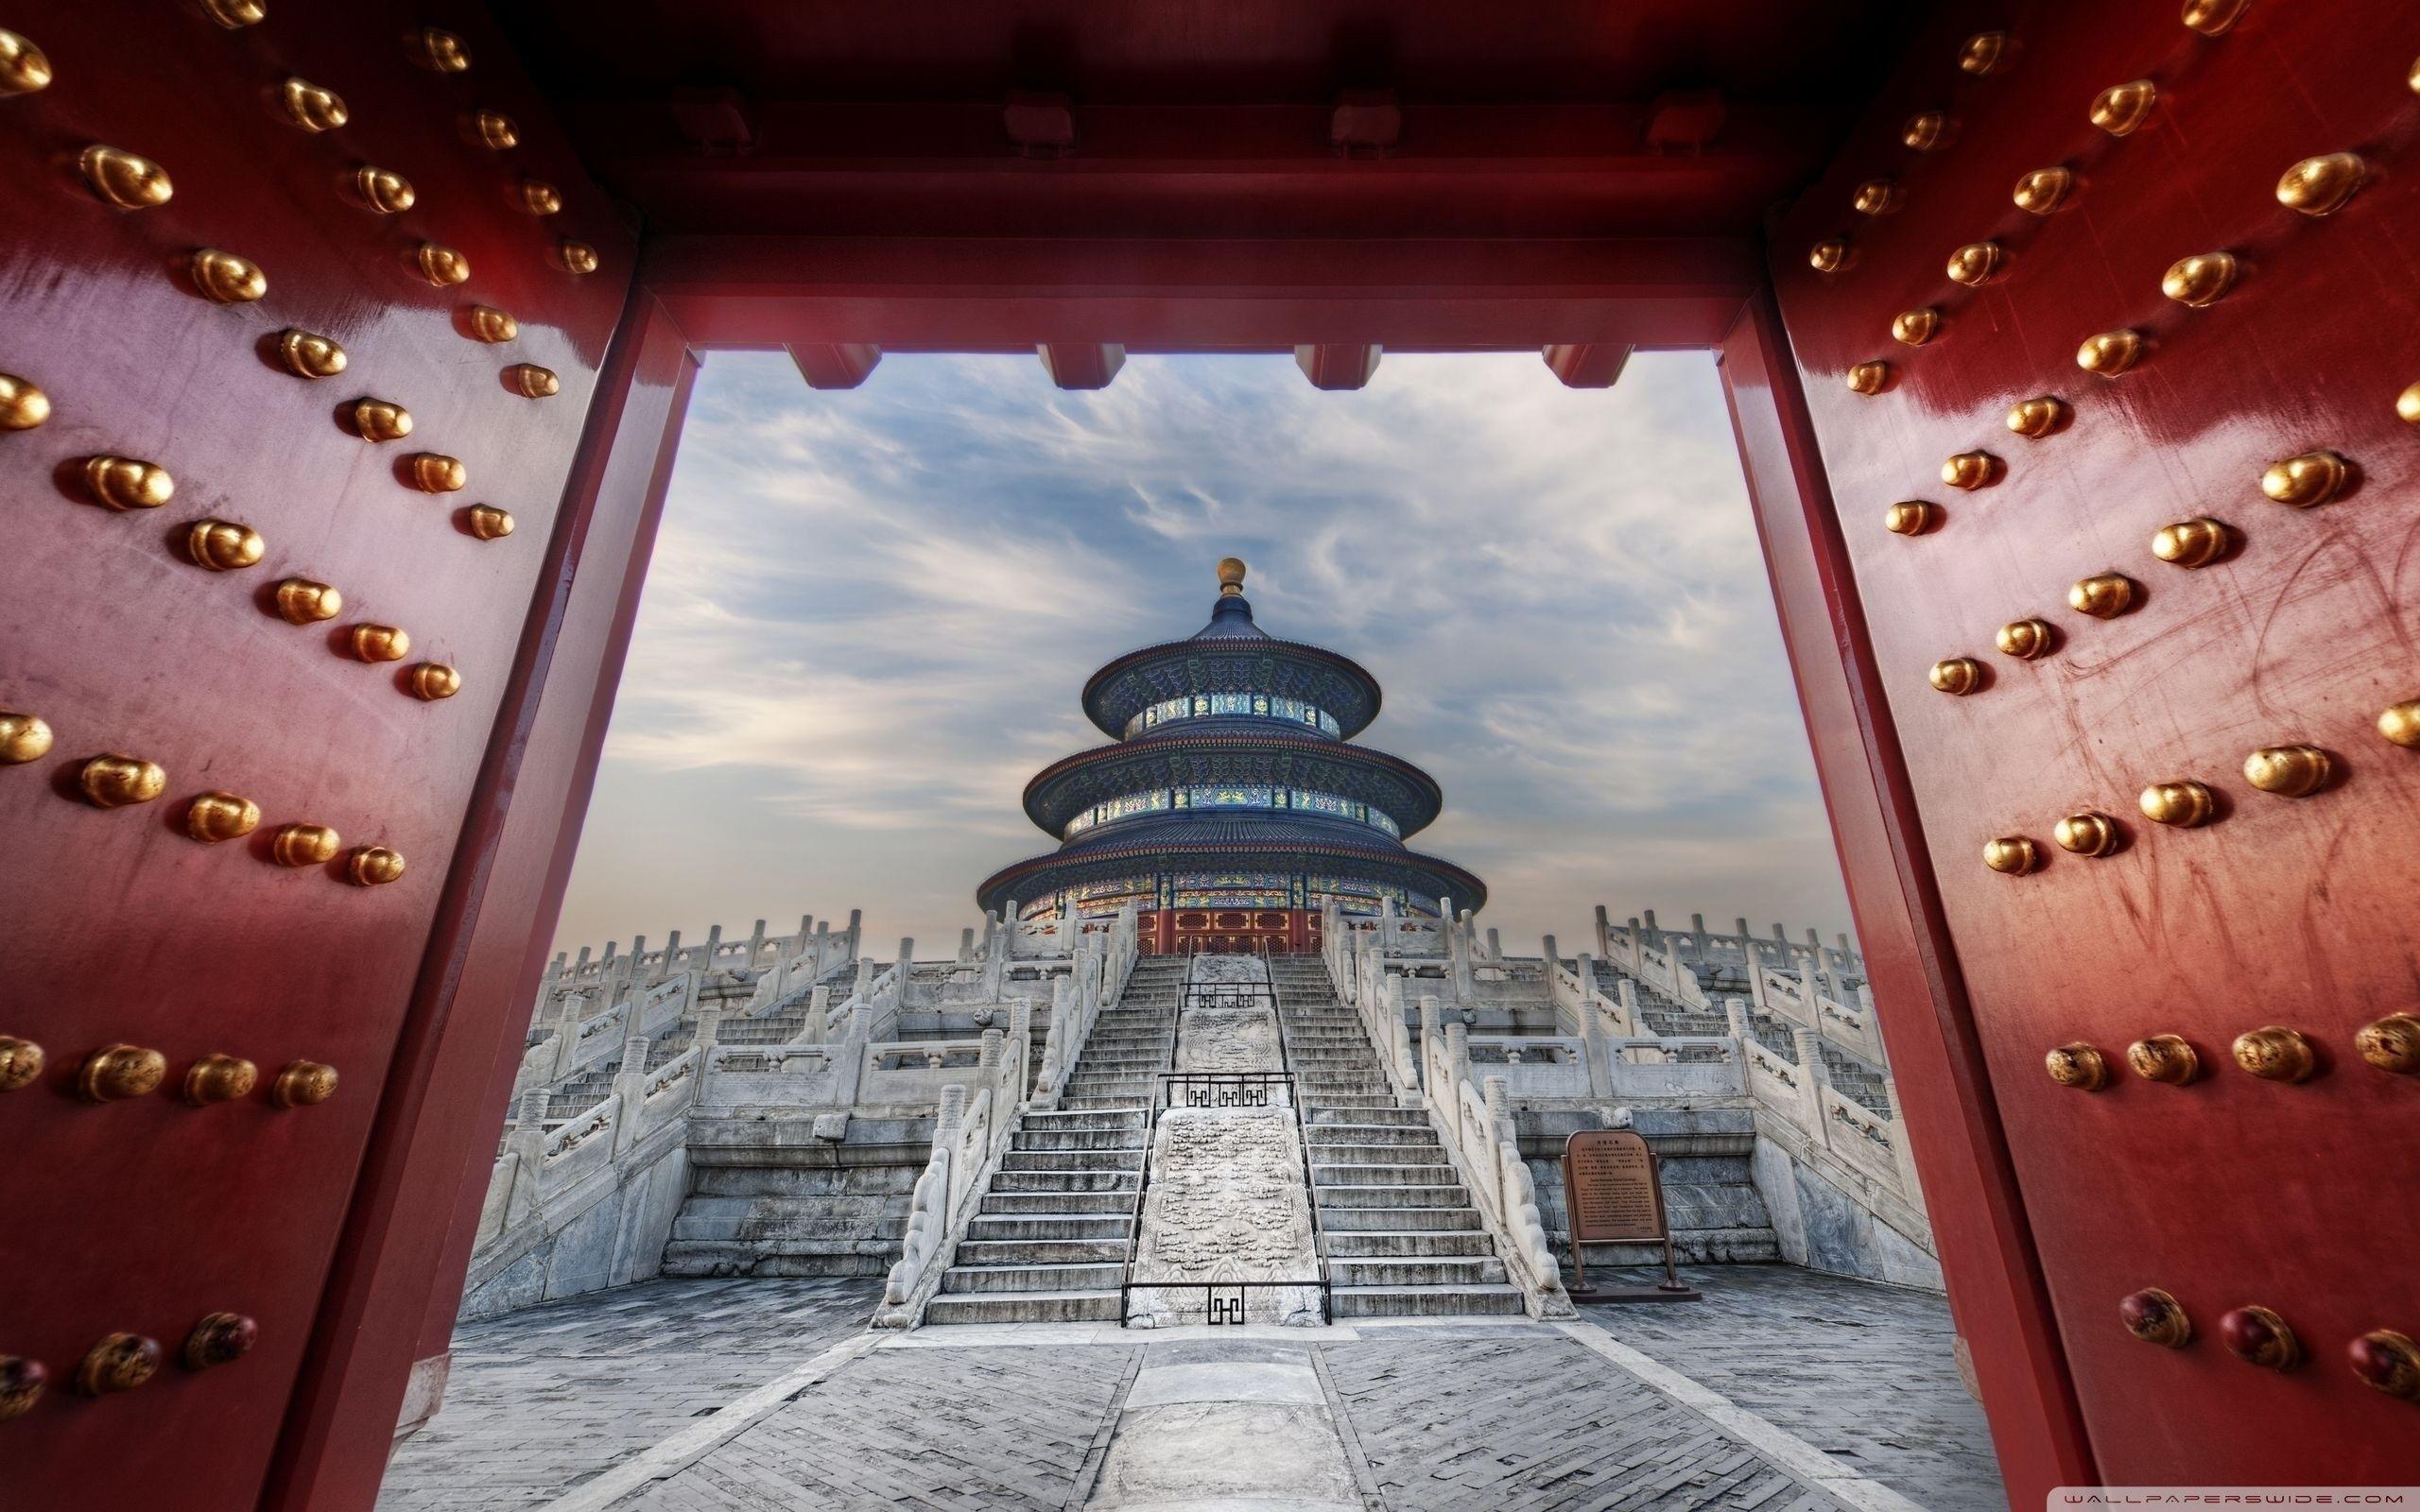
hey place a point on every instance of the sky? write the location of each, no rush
(869, 614)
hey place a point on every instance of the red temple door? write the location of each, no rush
(2103, 323)
(269, 675)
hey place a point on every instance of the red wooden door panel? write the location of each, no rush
(144, 1214)
(2231, 1191)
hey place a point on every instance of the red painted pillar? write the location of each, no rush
(397, 1280)
(1986, 1250)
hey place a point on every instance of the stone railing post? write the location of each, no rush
(906, 972)
(1499, 1099)
(1605, 934)
(966, 945)
(1626, 990)
(528, 1149)
(1430, 1047)
(994, 1039)
(818, 1027)
(630, 1085)
(1812, 1078)
(1592, 1034)
(709, 1027)
(1903, 1149)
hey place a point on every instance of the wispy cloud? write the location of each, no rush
(870, 613)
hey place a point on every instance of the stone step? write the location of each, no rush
(1035, 1204)
(1380, 1157)
(1126, 1159)
(986, 1228)
(1359, 1103)
(1346, 1244)
(1501, 1300)
(1024, 1307)
(1364, 1135)
(1084, 1278)
(1392, 1115)
(1387, 1167)
(1428, 1270)
(1040, 1121)
(991, 1253)
(860, 1256)
(1128, 1180)
(1390, 1195)
(1113, 1102)
(1123, 1138)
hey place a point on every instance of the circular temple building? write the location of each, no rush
(1231, 807)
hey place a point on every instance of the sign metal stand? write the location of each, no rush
(1613, 1190)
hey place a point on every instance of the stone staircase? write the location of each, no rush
(1403, 1240)
(1049, 1243)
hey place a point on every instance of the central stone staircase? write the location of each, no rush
(1403, 1240)
(1049, 1242)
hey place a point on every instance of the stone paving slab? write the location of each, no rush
(1862, 1372)
(1530, 1420)
(930, 1430)
(542, 1401)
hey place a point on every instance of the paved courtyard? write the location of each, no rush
(1784, 1391)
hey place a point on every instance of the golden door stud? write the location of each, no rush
(2036, 417)
(219, 1338)
(2200, 280)
(2392, 1043)
(2386, 1361)
(2079, 1065)
(216, 1078)
(1986, 52)
(1869, 377)
(2257, 1335)
(435, 473)
(311, 107)
(2010, 855)
(2025, 639)
(120, 1362)
(576, 258)
(118, 781)
(2191, 542)
(126, 483)
(2289, 771)
(1910, 517)
(442, 266)
(380, 642)
(432, 681)
(487, 522)
(2182, 804)
(215, 818)
(224, 546)
(123, 180)
(2320, 185)
(1971, 470)
(1876, 196)
(24, 67)
(1829, 255)
(1916, 327)
(224, 278)
(301, 601)
(2400, 723)
(530, 381)
(1956, 676)
(21, 1063)
(2275, 1053)
(1926, 132)
(441, 51)
(23, 738)
(2103, 595)
(490, 324)
(115, 1072)
(2121, 109)
(302, 1083)
(2212, 18)
(2165, 1059)
(381, 419)
(2088, 834)
(374, 865)
(1976, 263)
(309, 355)
(23, 407)
(541, 199)
(2155, 1316)
(304, 845)
(2044, 190)
(2111, 352)
(494, 132)
(2305, 481)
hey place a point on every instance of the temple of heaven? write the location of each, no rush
(1231, 807)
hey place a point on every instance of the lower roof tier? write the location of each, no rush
(1231, 870)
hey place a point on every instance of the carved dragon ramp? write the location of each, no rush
(1225, 1232)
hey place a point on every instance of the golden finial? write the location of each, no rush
(1230, 577)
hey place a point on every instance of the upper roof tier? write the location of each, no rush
(1232, 654)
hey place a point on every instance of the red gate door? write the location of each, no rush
(298, 310)
(2105, 321)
